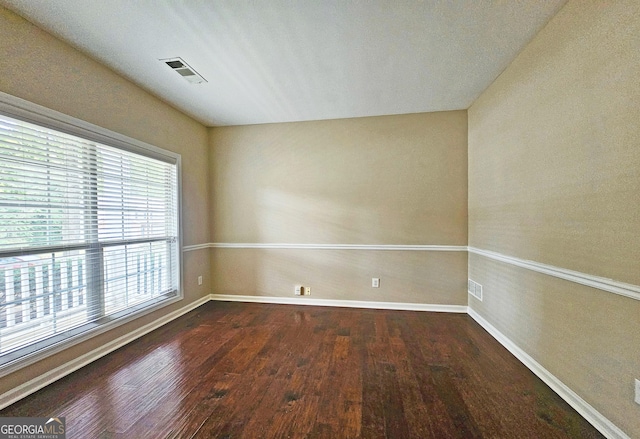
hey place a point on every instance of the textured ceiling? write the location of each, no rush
(282, 60)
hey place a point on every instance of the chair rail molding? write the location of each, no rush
(590, 280)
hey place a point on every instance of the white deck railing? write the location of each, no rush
(40, 297)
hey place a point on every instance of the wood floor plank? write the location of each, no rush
(291, 400)
(440, 423)
(416, 413)
(234, 370)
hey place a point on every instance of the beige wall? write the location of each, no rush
(554, 177)
(377, 180)
(553, 164)
(41, 69)
(421, 277)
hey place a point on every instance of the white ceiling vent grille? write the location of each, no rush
(184, 69)
(475, 289)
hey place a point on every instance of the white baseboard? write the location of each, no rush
(341, 303)
(596, 419)
(59, 372)
(49, 377)
(599, 421)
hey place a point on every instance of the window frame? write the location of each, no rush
(26, 111)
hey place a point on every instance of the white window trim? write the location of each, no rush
(13, 106)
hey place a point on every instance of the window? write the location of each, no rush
(88, 233)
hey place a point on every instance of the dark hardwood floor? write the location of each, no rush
(230, 370)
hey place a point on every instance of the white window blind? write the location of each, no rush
(88, 234)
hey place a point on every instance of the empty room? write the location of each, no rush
(320, 219)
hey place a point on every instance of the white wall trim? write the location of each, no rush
(590, 280)
(601, 283)
(599, 421)
(341, 303)
(59, 372)
(396, 247)
(190, 248)
(63, 370)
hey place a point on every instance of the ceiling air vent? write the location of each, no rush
(184, 69)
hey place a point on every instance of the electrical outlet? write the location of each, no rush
(199, 280)
(375, 282)
(299, 290)
(307, 291)
(637, 399)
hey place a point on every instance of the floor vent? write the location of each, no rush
(178, 65)
(475, 289)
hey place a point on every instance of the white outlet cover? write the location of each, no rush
(375, 282)
(637, 398)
